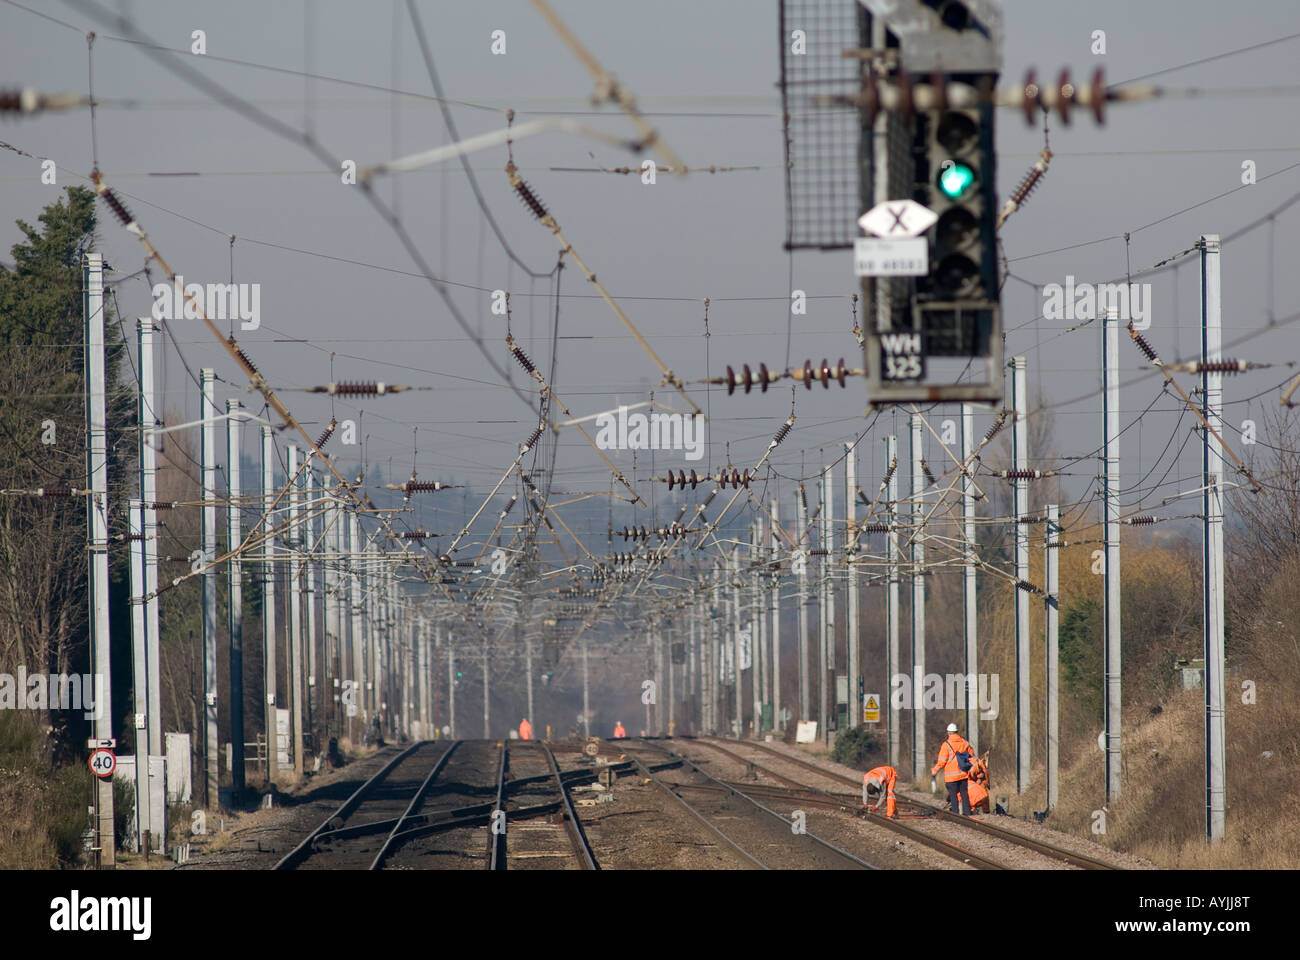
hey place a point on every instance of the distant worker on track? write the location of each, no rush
(977, 785)
(619, 732)
(880, 781)
(525, 729)
(955, 756)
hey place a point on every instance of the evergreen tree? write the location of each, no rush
(43, 616)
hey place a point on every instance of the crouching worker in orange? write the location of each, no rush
(977, 786)
(525, 729)
(880, 781)
(619, 732)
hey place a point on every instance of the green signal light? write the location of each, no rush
(956, 179)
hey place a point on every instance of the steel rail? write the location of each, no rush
(767, 770)
(1046, 849)
(577, 836)
(481, 813)
(473, 817)
(697, 815)
(497, 841)
(934, 843)
(386, 826)
(304, 849)
(850, 858)
(390, 844)
(796, 761)
(470, 816)
(1080, 860)
(767, 793)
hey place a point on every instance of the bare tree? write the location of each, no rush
(1269, 527)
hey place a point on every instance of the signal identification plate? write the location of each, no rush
(879, 257)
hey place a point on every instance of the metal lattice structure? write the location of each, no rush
(823, 137)
(900, 176)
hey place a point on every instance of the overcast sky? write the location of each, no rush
(706, 72)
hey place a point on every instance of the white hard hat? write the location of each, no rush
(952, 728)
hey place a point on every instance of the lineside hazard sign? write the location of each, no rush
(871, 709)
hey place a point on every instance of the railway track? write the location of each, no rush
(439, 805)
(1081, 861)
(851, 804)
(506, 805)
(378, 801)
(536, 840)
(754, 831)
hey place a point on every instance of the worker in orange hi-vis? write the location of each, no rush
(525, 729)
(880, 781)
(955, 756)
(977, 785)
(619, 732)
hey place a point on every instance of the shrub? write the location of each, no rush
(854, 747)
(42, 807)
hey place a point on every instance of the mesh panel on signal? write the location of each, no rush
(900, 173)
(824, 166)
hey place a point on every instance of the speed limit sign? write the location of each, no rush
(103, 763)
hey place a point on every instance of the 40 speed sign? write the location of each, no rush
(102, 763)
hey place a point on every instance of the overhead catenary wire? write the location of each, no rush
(547, 476)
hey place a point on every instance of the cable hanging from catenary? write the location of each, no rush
(535, 205)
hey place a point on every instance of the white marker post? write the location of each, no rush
(97, 544)
(208, 472)
(893, 598)
(1111, 507)
(1052, 609)
(970, 618)
(851, 581)
(268, 609)
(148, 454)
(1020, 491)
(773, 547)
(1212, 458)
(235, 599)
(919, 764)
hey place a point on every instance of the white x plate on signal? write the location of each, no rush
(898, 218)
